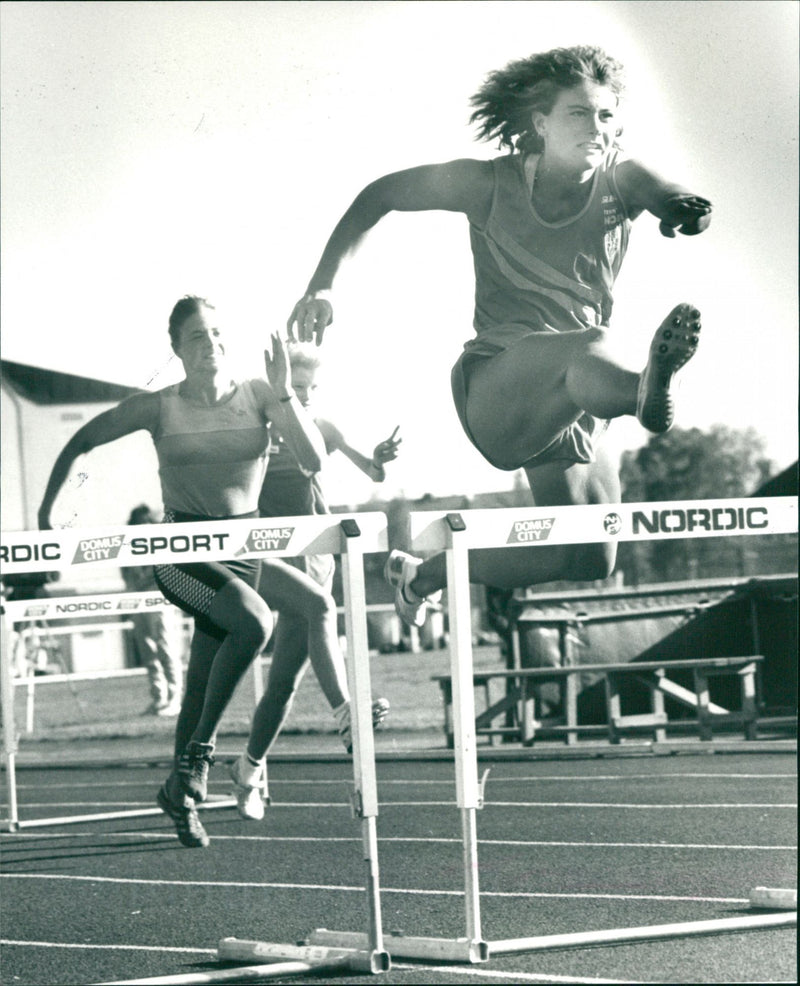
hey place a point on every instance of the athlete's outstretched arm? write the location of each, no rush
(676, 207)
(133, 414)
(383, 452)
(458, 186)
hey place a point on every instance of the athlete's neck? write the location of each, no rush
(556, 192)
(208, 388)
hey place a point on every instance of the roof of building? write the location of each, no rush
(50, 387)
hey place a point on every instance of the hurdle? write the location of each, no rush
(456, 534)
(350, 536)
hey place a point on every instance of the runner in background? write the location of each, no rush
(290, 490)
(211, 433)
(150, 635)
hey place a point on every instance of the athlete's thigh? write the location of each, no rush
(289, 651)
(235, 604)
(564, 483)
(517, 401)
(287, 589)
(202, 651)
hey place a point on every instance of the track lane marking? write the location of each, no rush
(619, 805)
(525, 894)
(517, 977)
(493, 779)
(540, 843)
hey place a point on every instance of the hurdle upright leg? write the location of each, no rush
(353, 950)
(9, 722)
(469, 796)
(468, 793)
(365, 795)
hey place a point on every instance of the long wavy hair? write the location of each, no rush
(504, 104)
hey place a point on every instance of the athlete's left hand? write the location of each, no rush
(690, 214)
(386, 451)
(278, 367)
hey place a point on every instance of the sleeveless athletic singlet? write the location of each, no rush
(288, 490)
(533, 276)
(211, 458)
(211, 462)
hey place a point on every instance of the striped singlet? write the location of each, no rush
(534, 276)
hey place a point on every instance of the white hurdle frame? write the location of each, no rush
(348, 535)
(456, 534)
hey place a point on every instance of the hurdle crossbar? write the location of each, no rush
(457, 533)
(350, 536)
(618, 936)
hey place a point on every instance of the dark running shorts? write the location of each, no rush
(575, 444)
(192, 586)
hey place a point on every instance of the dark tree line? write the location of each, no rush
(690, 464)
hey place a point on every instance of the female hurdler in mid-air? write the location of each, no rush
(549, 225)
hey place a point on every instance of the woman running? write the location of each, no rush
(211, 434)
(290, 490)
(549, 225)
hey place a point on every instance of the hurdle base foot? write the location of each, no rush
(405, 947)
(773, 899)
(354, 959)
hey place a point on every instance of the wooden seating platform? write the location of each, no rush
(518, 703)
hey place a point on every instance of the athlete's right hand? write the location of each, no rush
(312, 314)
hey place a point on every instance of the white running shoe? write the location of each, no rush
(249, 785)
(400, 571)
(380, 709)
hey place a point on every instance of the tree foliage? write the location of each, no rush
(696, 465)
(690, 464)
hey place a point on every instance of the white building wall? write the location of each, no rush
(102, 488)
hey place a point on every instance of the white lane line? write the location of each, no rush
(111, 948)
(623, 806)
(517, 977)
(384, 890)
(493, 779)
(401, 839)
(616, 804)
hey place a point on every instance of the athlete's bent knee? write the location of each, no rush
(320, 607)
(255, 628)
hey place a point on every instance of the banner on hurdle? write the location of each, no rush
(160, 544)
(594, 523)
(74, 607)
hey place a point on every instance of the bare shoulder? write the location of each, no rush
(141, 409)
(463, 185)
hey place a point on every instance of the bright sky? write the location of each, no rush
(155, 149)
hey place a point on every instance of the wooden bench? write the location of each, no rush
(520, 699)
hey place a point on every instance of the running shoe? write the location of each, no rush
(672, 347)
(249, 787)
(187, 822)
(400, 571)
(380, 709)
(192, 769)
(169, 711)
